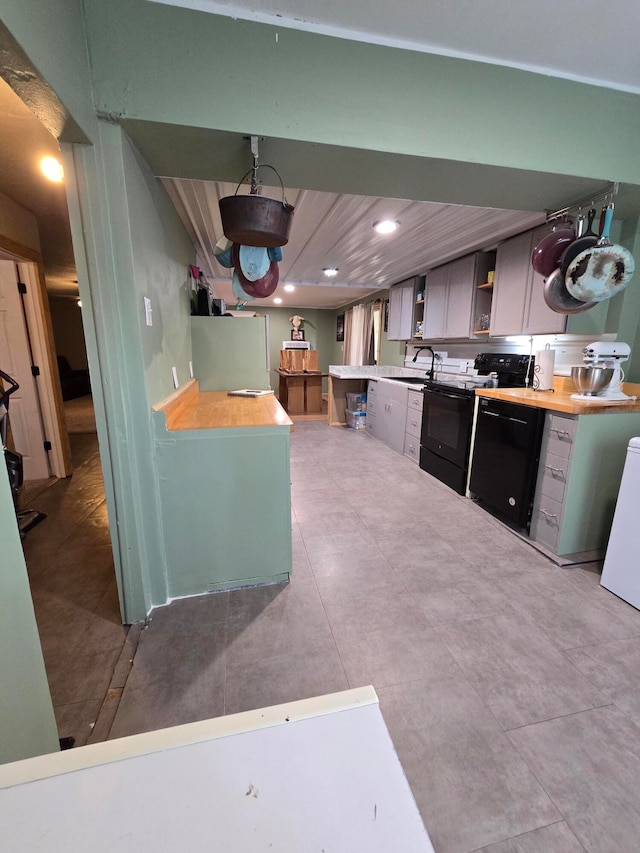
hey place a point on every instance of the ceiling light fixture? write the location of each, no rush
(277, 300)
(52, 169)
(330, 271)
(386, 226)
(289, 288)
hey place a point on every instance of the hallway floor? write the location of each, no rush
(509, 685)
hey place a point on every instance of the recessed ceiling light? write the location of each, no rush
(52, 169)
(277, 300)
(386, 226)
(330, 271)
(289, 288)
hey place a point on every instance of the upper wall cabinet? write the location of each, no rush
(451, 296)
(518, 306)
(402, 298)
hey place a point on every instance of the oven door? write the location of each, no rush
(446, 425)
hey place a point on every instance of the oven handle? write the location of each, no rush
(445, 394)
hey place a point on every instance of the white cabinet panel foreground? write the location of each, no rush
(318, 774)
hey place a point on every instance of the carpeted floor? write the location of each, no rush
(79, 415)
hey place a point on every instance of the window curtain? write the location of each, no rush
(358, 334)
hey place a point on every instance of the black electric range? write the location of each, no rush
(447, 414)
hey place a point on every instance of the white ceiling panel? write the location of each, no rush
(336, 230)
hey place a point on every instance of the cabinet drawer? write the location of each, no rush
(414, 423)
(412, 447)
(370, 423)
(545, 525)
(415, 400)
(554, 473)
(371, 402)
(561, 436)
(372, 386)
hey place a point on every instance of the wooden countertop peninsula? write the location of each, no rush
(192, 409)
(559, 400)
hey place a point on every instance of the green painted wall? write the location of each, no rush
(27, 723)
(161, 252)
(52, 34)
(166, 64)
(319, 329)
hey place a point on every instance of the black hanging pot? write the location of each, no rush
(252, 220)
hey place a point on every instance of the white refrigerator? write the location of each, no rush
(230, 353)
(621, 572)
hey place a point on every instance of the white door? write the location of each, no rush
(15, 359)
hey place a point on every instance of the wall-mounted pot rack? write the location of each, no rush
(604, 197)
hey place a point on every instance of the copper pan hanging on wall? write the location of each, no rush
(252, 220)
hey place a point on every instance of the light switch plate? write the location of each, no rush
(147, 311)
(190, 370)
(174, 371)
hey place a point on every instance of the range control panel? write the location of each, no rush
(512, 368)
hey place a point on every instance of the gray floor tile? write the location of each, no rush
(471, 785)
(614, 668)
(370, 609)
(383, 656)
(258, 683)
(519, 674)
(556, 838)
(572, 619)
(175, 679)
(589, 763)
(182, 615)
(470, 598)
(346, 578)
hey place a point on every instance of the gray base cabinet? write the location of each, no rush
(581, 464)
(413, 425)
(387, 413)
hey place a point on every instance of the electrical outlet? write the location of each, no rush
(174, 373)
(464, 366)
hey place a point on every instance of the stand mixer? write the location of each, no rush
(606, 354)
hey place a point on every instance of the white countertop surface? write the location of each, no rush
(316, 774)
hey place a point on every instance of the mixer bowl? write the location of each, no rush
(591, 380)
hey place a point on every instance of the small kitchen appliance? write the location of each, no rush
(599, 356)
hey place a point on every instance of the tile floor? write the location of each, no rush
(510, 686)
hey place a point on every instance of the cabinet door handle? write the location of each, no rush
(560, 432)
(547, 514)
(554, 470)
(414, 423)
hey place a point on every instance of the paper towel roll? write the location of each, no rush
(543, 371)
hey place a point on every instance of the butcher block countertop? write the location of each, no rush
(559, 400)
(192, 409)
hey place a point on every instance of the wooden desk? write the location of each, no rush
(300, 393)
